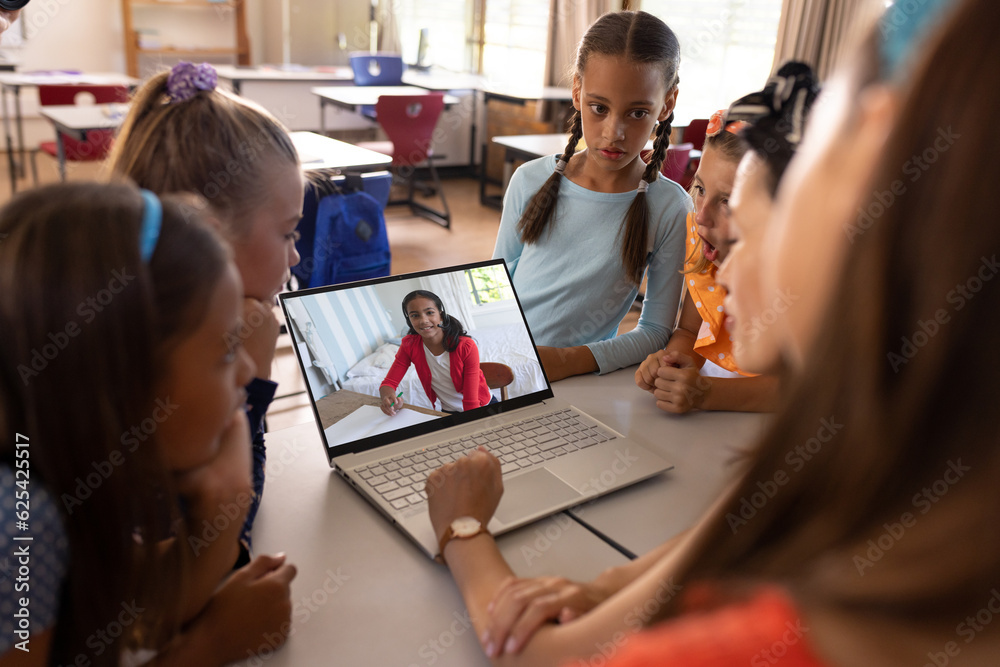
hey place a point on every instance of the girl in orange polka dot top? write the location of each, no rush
(678, 376)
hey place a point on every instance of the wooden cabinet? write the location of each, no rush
(161, 32)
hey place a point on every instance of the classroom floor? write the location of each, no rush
(416, 243)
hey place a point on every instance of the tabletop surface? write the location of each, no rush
(319, 152)
(441, 80)
(58, 78)
(86, 117)
(367, 595)
(542, 144)
(368, 95)
(527, 93)
(277, 73)
(334, 407)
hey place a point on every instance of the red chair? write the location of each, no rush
(409, 122)
(676, 161)
(98, 143)
(694, 133)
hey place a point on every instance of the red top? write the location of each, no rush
(465, 373)
(761, 631)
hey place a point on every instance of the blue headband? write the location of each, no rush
(152, 218)
(904, 26)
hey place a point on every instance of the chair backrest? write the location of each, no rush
(68, 94)
(377, 69)
(409, 121)
(676, 161)
(694, 133)
(498, 376)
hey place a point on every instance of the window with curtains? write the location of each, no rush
(515, 38)
(449, 27)
(727, 49)
(512, 37)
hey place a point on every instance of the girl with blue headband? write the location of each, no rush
(122, 433)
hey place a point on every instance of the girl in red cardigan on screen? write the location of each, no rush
(446, 358)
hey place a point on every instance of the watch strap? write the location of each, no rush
(449, 535)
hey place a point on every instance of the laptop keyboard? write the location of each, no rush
(400, 479)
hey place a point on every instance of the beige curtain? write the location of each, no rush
(388, 29)
(569, 20)
(819, 31)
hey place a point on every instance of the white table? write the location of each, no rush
(702, 446)
(366, 595)
(319, 152)
(353, 97)
(14, 81)
(236, 75)
(77, 121)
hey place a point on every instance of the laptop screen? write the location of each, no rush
(361, 345)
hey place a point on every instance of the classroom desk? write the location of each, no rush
(319, 152)
(702, 446)
(77, 121)
(525, 147)
(366, 595)
(236, 76)
(519, 96)
(352, 97)
(15, 81)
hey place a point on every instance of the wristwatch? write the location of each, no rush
(462, 528)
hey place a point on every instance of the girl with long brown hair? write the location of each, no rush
(116, 308)
(878, 547)
(579, 230)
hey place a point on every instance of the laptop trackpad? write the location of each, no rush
(531, 493)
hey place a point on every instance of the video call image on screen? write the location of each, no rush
(349, 338)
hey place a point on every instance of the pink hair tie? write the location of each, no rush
(187, 79)
(643, 185)
(560, 166)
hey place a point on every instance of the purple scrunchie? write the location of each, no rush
(186, 79)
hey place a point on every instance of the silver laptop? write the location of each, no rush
(553, 455)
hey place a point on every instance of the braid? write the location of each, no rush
(660, 144)
(537, 214)
(635, 227)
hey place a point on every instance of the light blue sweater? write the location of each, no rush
(571, 283)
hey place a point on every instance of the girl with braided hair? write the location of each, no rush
(579, 230)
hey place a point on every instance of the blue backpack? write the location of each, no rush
(343, 237)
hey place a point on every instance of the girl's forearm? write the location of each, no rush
(213, 552)
(563, 362)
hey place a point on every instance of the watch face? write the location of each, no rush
(465, 526)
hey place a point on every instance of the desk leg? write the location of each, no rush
(62, 155)
(482, 155)
(237, 86)
(322, 116)
(20, 131)
(10, 142)
(472, 132)
(508, 170)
